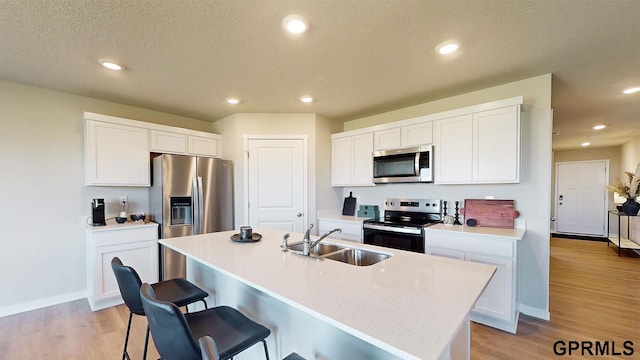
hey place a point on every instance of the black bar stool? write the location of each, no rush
(184, 336)
(178, 291)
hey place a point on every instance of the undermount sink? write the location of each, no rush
(347, 255)
(319, 250)
(357, 257)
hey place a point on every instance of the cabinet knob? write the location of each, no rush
(299, 214)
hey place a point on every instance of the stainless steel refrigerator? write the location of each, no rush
(189, 195)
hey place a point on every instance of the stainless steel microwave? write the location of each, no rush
(403, 165)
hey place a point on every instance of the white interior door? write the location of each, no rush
(581, 197)
(277, 183)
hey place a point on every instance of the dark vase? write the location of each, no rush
(631, 207)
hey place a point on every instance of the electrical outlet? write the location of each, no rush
(489, 197)
(124, 199)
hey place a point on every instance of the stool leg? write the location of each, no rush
(125, 354)
(266, 351)
(205, 304)
(146, 344)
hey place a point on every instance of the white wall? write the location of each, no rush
(318, 130)
(532, 194)
(43, 194)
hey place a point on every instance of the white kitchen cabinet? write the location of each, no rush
(416, 134)
(498, 304)
(386, 139)
(135, 244)
(351, 227)
(483, 147)
(116, 155)
(351, 160)
(183, 144)
(203, 146)
(497, 145)
(453, 148)
(167, 142)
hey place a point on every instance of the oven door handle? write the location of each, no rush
(402, 230)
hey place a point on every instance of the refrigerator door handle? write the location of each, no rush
(200, 206)
(195, 206)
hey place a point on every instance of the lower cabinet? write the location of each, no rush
(498, 305)
(351, 229)
(135, 244)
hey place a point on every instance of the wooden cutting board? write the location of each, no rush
(490, 213)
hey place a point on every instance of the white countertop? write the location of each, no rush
(113, 225)
(512, 234)
(410, 305)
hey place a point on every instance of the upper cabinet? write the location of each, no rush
(116, 155)
(183, 144)
(412, 135)
(351, 160)
(386, 139)
(117, 150)
(483, 147)
(478, 144)
(416, 134)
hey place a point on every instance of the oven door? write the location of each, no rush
(397, 237)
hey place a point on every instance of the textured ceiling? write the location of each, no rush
(358, 58)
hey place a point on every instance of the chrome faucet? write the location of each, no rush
(308, 244)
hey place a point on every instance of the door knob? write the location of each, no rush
(299, 214)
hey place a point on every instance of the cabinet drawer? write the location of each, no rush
(478, 244)
(124, 235)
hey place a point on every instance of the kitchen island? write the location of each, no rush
(409, 306)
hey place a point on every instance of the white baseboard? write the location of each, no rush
(41, 303)
(535, 312)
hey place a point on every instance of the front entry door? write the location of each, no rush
(277, 183)
(581, 197)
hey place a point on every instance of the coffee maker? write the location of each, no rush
(97, 212)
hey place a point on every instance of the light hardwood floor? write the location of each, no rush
(594, 296)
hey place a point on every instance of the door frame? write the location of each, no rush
(305, 169)
(606, 192)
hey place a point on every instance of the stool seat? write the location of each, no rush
(294, 356)
(179, 291)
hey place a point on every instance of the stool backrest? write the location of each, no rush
(169, 328)
(129, 283)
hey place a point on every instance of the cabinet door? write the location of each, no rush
(453, 150)
(497, 145)
(362, 170)
(116, 154)
(416, 135)
(386, 139)
(341, 161)
(167, 142)
(202, 146)
(443, 252)
(142, 256)
(496, 300)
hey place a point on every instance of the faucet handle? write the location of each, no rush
(285, 242)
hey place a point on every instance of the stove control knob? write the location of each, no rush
(427, 204)
(434, 205)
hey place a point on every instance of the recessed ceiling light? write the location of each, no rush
(233, 101)
(447, 47)
(295, 24)
(599, 127)
(306, 99)
(632, 90)
(586, 143)
(110, 64)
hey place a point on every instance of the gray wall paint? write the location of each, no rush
(45, 200)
